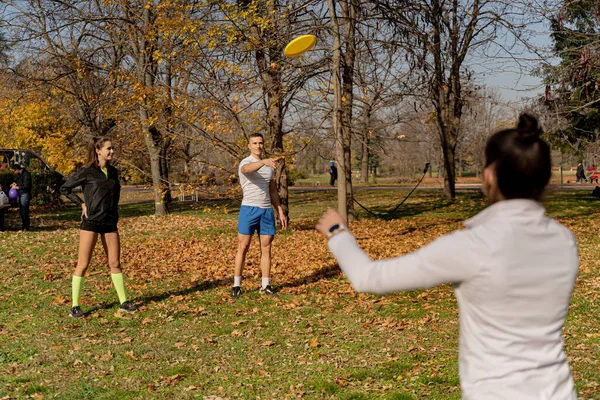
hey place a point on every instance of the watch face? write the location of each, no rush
(333, 228)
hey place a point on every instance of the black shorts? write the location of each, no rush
(86, 226)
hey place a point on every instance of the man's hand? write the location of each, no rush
(270, 162)
(283, 220)
(329, 219)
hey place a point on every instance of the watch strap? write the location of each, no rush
(335, 229)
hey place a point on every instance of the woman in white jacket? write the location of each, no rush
(513, 270)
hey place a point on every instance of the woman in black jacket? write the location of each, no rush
(99, 216)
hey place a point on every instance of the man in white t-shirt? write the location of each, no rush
(256, 214)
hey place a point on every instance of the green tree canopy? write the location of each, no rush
(573, 88)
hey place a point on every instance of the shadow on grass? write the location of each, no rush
(405, 210)
(322, 274)
(198, 287)
(571, 204)
(423, 202)
(409, 230)
(558, 203)
(69, 216)
(190, 205)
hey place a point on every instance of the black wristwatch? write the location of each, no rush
(335, 229)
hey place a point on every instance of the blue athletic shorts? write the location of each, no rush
(254, 219)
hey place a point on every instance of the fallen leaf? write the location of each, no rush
(314, 342)
(61, 300)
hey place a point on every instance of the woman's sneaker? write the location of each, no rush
(128, 307)
(76, 312)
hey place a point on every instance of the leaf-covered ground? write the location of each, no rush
(317, 339)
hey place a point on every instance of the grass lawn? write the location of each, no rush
(316, 340)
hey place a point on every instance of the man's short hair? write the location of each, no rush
(256, 134)
(16, 167)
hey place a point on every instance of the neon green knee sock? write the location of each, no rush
(76, 289)
(119, 286)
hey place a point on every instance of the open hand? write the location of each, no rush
(270, 162)
(283, 220)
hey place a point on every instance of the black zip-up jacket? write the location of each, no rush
(100, 192)
(24, 181)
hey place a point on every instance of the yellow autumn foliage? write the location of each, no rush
(30, 121)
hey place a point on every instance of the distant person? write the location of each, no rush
(4, 205)
(23, 185)
(580, 174)
(591, 169)
(513, 271)
(333, 173)
(256, 213)
(99, 181)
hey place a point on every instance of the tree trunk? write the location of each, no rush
(349, 11)
(270, 74)
(281, 173)
(154, 149)
(364, 159)
(337, 113)
(146, 71)
(450, 175)
(164, 165)
(448, 126)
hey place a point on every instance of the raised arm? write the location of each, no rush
(448, 259)
(256, 165)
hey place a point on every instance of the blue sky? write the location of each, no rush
(514, 86)
(512, 73)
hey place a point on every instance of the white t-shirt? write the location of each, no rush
(255, 185)
(513, 270)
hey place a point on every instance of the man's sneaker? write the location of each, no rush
(128, 307)
(236, 292)
(76, 312)
(268, 290)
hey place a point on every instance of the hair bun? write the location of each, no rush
(529, 127)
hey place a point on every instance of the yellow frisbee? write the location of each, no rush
(300, 45)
